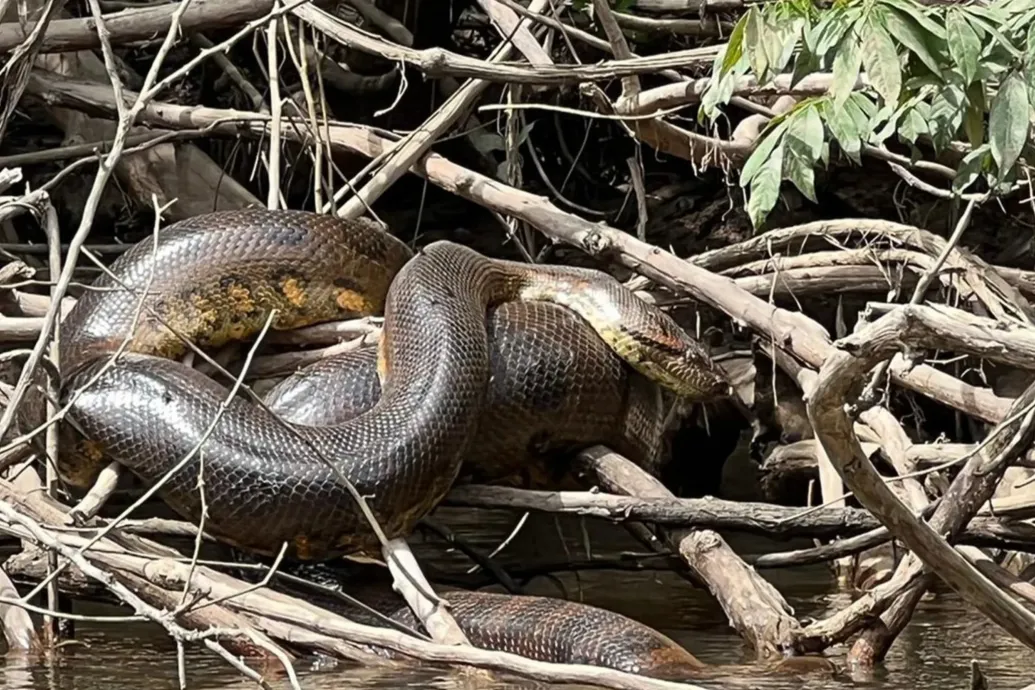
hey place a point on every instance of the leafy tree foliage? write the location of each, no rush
(931, 77)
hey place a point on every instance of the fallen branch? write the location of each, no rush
(512, 29)
(396, 162)
(846, 366)
(136, 24)
(15, 622)
(754, 607)
(678, 27)
(979, 279)
(388, 24)
(175, 172)
(297, 621)
(49, 540)
(436, 62)
(20, 507)
(705, 513)
(691, 91)
(800, 458)
(690, 6)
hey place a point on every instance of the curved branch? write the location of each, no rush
(436, 62)
(994, 291)
(844, 371)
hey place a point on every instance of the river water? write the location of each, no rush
(934, 652)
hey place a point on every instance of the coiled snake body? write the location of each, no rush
(425, 401)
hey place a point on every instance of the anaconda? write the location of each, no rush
(268, 482)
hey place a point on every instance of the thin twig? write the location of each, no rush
(75, 556)
(276, 109)
(921, 289)
(410, 149)
(52, 446)
(108, 364)
(104, 173)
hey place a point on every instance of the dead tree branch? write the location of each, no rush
(843, 372)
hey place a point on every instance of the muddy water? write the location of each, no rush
(934, 652)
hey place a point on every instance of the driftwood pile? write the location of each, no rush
(958, 507)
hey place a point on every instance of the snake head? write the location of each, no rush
(667, 354)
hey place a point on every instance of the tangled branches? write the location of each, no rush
(880, 338)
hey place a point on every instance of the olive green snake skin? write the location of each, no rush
(483, 366)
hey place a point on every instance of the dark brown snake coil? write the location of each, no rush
(402, 424)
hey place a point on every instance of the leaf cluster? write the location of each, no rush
(926, 77)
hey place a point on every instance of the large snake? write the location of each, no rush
(482, 363)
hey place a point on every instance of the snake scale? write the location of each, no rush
(482, 364)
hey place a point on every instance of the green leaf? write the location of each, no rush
(734, 47)
(798, 168)
(982, 23)
(865, 106)
(1029, 53)
(920, 14)
(846, 68)
(794, 35)
(765, 188)
(487, 140)
(780, 41)
(1029, 62)
(924, 82)
(947, 108)
(845, 130)
(908, 111)
(907, 30)
(913, 125)
(720, 89)
(971, 168)
(522, 136)
(1008, 122)
(976, 94)
(1023, 12)
(805, 64)
(716, 94)
(964, 44)
(761, 154)
(994, 65)
(1024, 18)
(803, 145)
(810, 130)
(974, 124)
(826, 33)
(754, 34)
(889, 127)
(974, 119)
(881, 60)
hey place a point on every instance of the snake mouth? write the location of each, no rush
(680, 363)
(692, 376)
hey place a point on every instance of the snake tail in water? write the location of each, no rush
(536, 627)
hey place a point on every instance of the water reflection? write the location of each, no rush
(934, 652)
